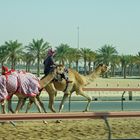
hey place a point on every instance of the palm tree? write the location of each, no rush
(28, 58)
(76, 57)
(3, 54)
(91, 58)
(85, 53)
(70, 56)
(14, 52)
(39, 49)
(125, 61)
(132, 63)
(106, 55)
(114, 63)
(62, 51)
(137, 60)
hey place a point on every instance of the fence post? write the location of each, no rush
(130, 95)
(70, 102)
(122, 100)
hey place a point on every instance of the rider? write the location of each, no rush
(49, 62)
(49, 65)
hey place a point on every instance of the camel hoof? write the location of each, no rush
(58, 121)
(2, 123)
(53, 111)
(45, 122)
(85, 110)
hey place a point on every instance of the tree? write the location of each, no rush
(114, 63)
(39, 49)
(70, 56)
(14, 50)
(85, 53)
(76, 57)
(62, 51)
(125, 61)
(91, 58)
(28, 58)
(137, 60)
(106, 54)
(3, 54)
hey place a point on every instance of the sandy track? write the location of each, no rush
(71, 130)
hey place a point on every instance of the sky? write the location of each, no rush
(100, 22)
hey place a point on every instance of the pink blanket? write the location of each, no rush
(18, 82)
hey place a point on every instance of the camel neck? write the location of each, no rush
(96, 73)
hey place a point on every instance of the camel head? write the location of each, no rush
(60, 69)
(102, 68)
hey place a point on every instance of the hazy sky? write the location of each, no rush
(113, 22)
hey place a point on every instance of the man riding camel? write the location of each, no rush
(49, 62)
(49, 65)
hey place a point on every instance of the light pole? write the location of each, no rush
(78, 37)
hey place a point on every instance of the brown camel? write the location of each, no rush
(78, 82)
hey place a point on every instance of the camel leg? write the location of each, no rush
(10, 106)
(34, 99)
(41, 103)
(23, 103)
(80, 92)
(51, 101)
(52, 93)
(3, 106)
(63, 101)
(20, 102)
(29, 105)
(3, 110)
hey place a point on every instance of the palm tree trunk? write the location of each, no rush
(89, 66)
(63, 63)
(26, 66)
(139, 69)
(122, 71)
(125, 72)
(77, 65)
(112, 71)
(85, 71)
(38, 68)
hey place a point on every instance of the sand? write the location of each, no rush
(71, 130)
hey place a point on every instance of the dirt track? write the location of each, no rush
(71, 130)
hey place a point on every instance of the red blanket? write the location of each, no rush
(18, 82)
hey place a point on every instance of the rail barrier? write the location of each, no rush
(118, 85)
(70, 115)
(129, 89)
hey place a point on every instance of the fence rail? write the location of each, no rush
(112, 89)
(67, 115)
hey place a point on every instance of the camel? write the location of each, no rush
(22, 85)
(7, 93)
(78, 82)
